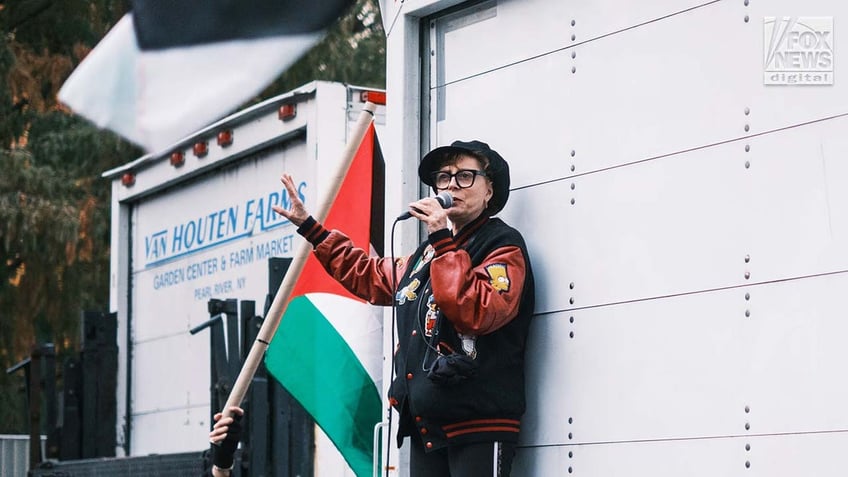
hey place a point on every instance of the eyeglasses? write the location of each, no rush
(464, 178)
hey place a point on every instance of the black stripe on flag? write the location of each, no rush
(161, 24)
(378, 198)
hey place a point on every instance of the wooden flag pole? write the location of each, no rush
(278, 306)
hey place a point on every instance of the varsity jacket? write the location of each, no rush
(468, 295)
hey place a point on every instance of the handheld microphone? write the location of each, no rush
(444, 198)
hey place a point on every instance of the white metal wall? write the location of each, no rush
(687, 226)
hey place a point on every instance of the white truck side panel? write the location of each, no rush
(228, 209)
(170, 293)
(686, 224)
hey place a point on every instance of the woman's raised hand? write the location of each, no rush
(296, 213)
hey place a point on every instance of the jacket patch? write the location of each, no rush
(408, 292)
(431, 317)
(498, 277)
(423, 260)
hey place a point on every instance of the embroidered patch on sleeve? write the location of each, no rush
(408, 292)
(498, 277)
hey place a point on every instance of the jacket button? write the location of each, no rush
(423, 431)
(417, 418)
(429, 445)
(408, 375)
(414, 332)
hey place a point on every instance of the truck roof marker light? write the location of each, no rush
(200, 149)
(376, 97)
(225, 137)
(287, 112)
(128, 179)
(177, 159)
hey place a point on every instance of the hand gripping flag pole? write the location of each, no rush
(278, 306)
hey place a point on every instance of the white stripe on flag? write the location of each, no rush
(361, 326)
(155, 98)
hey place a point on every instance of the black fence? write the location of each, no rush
(79, 419)
(170, 465)
(278, 437)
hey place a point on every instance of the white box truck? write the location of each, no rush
(680, 171)
(194, 223)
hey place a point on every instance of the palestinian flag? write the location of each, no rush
(327, 351)
(171, 67)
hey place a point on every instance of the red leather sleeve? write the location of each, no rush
(479, 300)
(367, 277)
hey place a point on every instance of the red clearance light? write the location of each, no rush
(376, 97)
(287, 112)
(177, 158)
(225, 138)
(200, 148)
(128, 179)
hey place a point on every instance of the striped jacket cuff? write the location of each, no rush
(312, 231)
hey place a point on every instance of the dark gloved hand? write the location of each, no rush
(224, 451)
(452, 369)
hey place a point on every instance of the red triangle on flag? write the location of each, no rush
(351, 213)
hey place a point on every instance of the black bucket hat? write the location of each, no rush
(497, 170)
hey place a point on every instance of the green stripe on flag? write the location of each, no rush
(315, 364)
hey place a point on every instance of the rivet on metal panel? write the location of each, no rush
(573, 37)
(747, 313)
(571, 334)
(572, 201)
(571, 300)
(746, 3)
(747, 147)
(570, 436)
(747, 447)
(747, 296)
(746, 19)
(573, 152)
(747, 258)
(572, 168)
(573, 54)
(747, 128)
(747, 464)
(570, 421)
(747, 426)
(573, 69)
(747, 111)
(573, 22)
(572, 186)
(747, 409)
(570, 470)
(747, 164)
(747, 275)
(570, 454)
(571, 285)
(571, 319)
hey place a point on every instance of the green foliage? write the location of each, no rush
(12, 122)
(54, 235)
(353, 52)
(54, 207)
(60, 26)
